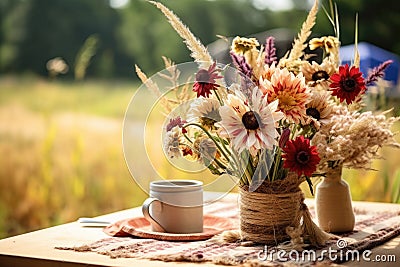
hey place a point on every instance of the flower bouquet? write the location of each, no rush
(273, 123)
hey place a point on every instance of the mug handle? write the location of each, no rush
(146, 213)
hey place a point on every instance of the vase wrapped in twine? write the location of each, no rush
(265, 217)
(276, 212)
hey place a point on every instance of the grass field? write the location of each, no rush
(61, 154)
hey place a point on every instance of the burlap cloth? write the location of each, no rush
(372, 229)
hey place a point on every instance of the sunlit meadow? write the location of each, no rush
(61, 154)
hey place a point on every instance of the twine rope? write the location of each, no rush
(274, 218)
(265, 217)
(334, 174)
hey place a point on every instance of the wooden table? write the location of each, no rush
(37, 248)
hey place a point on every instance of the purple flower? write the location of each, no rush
(241, 64)
(377, 72)
(176, 122)
(270, 51)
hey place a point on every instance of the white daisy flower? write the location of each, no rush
(253, 129)
(204, 110)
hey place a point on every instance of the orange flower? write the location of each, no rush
(291, 91)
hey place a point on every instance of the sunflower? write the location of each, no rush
(291, 91)
(300, 157)
(319, 109)
(317, 75)
(206, 81)
(348, 84)
(250, 128)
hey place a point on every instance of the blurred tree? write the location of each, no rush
(34, 31)
(59, 28)
(12, 13)
(146, 34)
(378, 22)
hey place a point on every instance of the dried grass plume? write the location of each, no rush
(199, 51)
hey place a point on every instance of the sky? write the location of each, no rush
(274, 5)
(118, 3)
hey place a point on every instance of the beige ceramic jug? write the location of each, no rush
(333, 203)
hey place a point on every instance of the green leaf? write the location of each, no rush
(396, 188)
(310, 185)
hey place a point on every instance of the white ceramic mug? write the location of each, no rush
(175, 206)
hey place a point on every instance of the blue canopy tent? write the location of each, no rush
(371, 56)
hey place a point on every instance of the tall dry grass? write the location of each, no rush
(60, 161)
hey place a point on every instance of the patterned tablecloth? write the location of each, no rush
(372, 229)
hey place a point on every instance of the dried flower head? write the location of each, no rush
(205, 150)
(57, 66)
(317, 75)
(176, 122)
(241, 45)
(172, 142)
(330, 44)
(319, 110)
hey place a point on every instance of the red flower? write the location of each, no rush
(347, 84)
(300, 156)
(176, 122)
(187, 151)
(205, 81)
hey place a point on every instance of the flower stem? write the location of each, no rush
(224, 146)
(277, 163)
(220, 164)
(232, 156)
(219, 98)
(187, 138)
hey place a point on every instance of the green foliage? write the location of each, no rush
(372, 27)
(38, 30)
(34, 31)
(395, 192)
